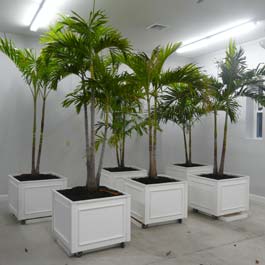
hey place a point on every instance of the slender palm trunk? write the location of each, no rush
(155, 138)
(151, 167)
(34, 128)
(41, 133)
(103, 147)
(86, 136)
(151, 171)
(114, 132)
(123, 152)
(154, 162)
(123, 142)
(120, 151)
(87, 144)
(117, 155)
(222, 162)
(215, 162)
(185, 144)
(190, 147)
(91, 181)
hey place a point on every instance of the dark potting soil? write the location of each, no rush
(189, 165)
(81, 193)
(157, 180)
(30, 177)
(216, 177)
(120, 169)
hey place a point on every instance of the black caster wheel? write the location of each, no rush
(179, 221)
(122, 245)
(23, 222)
(144, 226)
(215, 217)
(78, 254)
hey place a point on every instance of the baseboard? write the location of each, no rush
(3, 197)
(257, 198)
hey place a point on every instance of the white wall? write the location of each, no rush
(63, 150)
(244, 155)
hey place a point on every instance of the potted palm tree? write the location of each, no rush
(29, 194)
(184, 106)
(125, 120)
(157, 198)
(220, 193)
(81, 47)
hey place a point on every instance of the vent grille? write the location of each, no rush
(157, 27)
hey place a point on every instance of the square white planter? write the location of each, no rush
(157, 203)
(115, 180)
(182, 173)
(219, 197)
(32, 199)
(87, 225)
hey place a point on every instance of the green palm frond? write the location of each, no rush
(182, 104)
(25, 60)
(188, 74)
(236, 80)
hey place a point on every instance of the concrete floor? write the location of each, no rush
(200, 240)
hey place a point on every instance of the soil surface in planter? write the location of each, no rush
(120, 169)
(30, 177)
(81, 193)
(157, 180)
(189, 165)
(216, 177)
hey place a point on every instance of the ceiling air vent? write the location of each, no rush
(157, 27)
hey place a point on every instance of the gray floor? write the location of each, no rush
(200, 240)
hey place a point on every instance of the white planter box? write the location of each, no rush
(219, 197)
(91, 224)
(115, 180)
(182, 173)
(32, 199)
(158, 203)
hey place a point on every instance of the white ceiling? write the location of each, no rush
(186, 19)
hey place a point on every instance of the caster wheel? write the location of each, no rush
(144, 226)
(122, 245)
(23, 222)
(179, 221)
(78, 254)
(195, 210)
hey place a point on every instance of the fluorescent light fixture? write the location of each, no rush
(45, 14)
(30, 12)
(224, 33)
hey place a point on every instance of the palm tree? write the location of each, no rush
(78, 45)
(183, 105)
(46, 68)
(235, 81)
(125, 117)
(37, 72)
(152, 78)
(123, 125)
